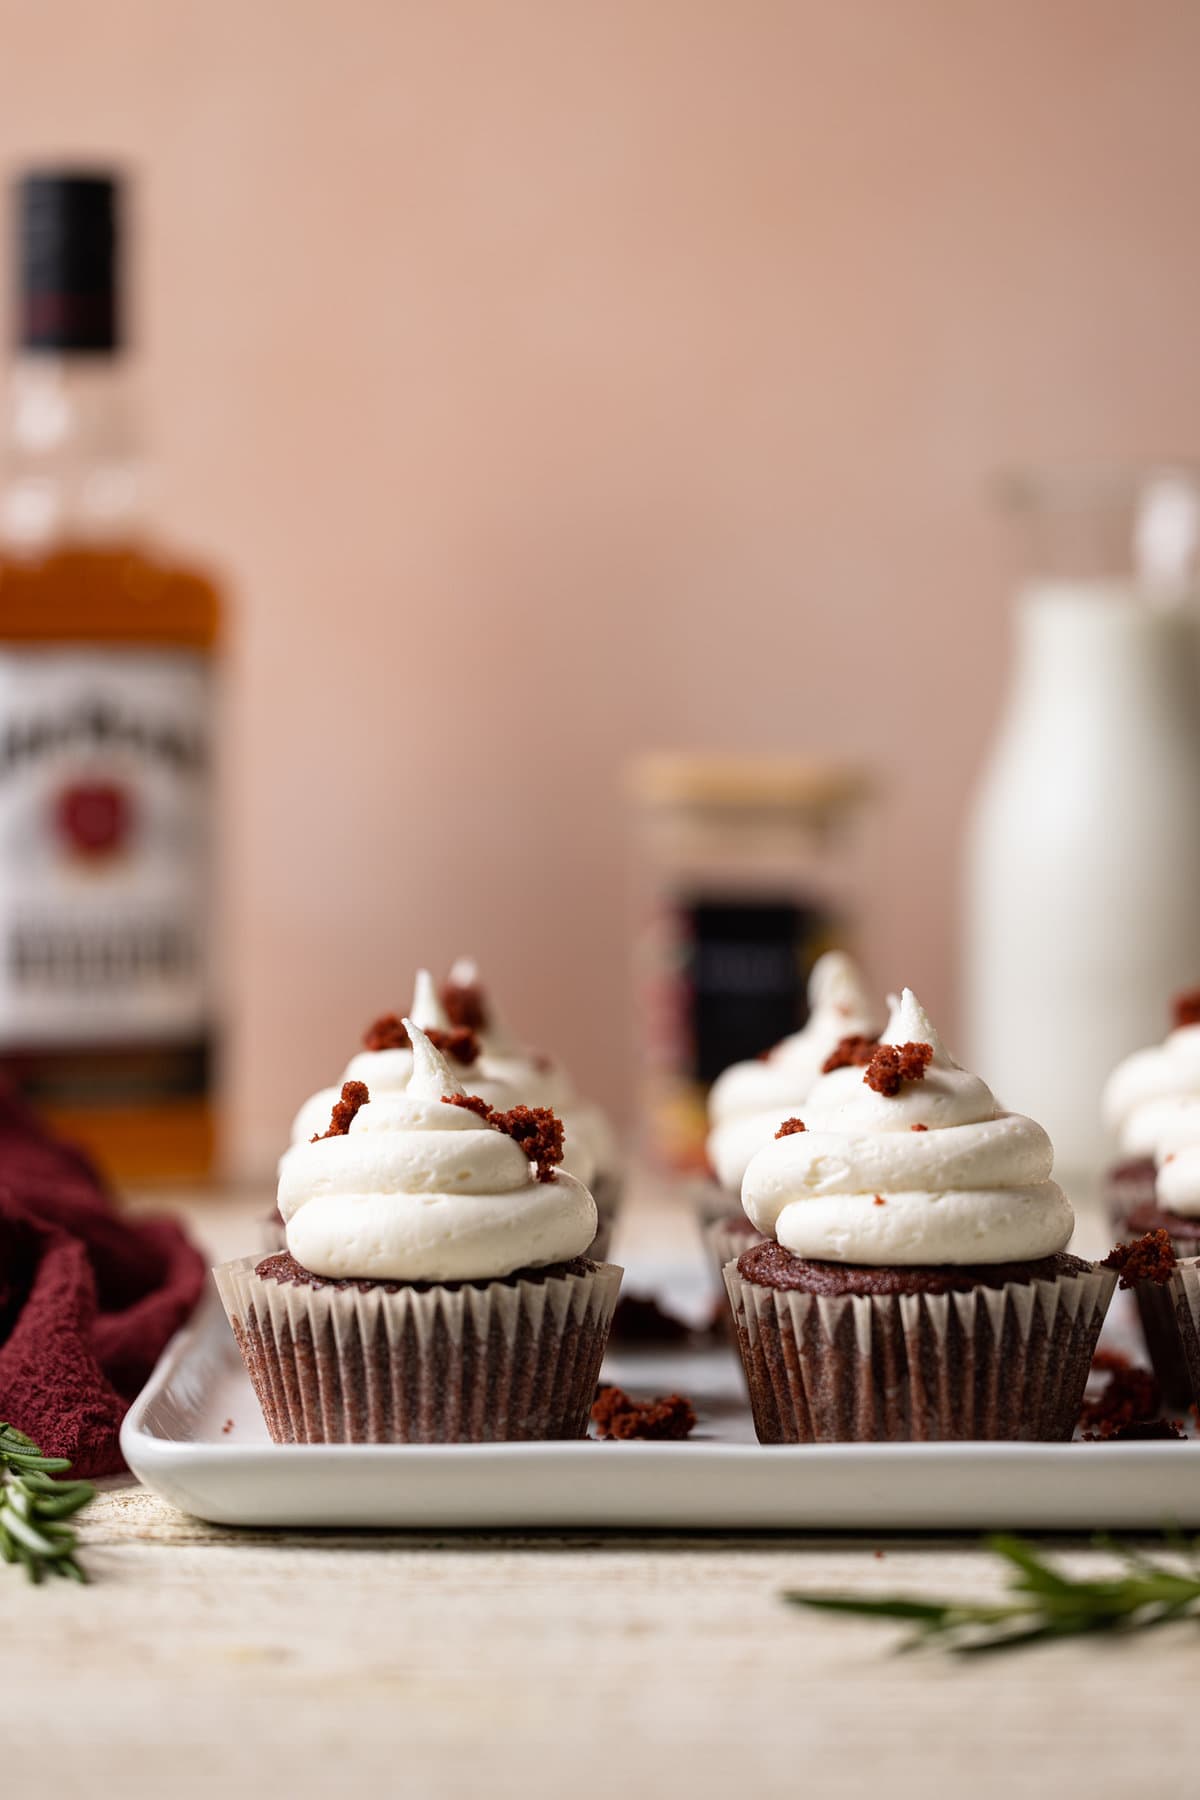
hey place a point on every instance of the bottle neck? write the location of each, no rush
(1101, 648)
(72, 453)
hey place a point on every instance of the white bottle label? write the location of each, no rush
(105, 765)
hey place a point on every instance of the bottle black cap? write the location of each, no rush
(68, 290)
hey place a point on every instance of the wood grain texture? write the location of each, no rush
(549, 1665)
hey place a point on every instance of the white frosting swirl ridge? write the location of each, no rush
(1144, 1094)
(750, 1100)
(421, 1190)
(934, 1174)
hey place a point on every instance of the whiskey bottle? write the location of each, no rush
(106, 651)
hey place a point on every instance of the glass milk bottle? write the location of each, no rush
(1082, 893)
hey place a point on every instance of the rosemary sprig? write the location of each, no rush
(34, 1508)
(1044, 1605)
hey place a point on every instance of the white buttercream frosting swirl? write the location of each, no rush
(421, 1190)
(865, 1184)
(750, 1100)
(388, 1071)
(1177, 1157)
(1152, 1105)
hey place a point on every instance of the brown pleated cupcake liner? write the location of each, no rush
(1008, 1362)
(1158, 1305)
(1181, 1297)
(504, 1360)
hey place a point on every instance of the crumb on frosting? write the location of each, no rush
(354, 1095)
(615, 1415)
(1147, 1258)
(879, 1200)
(892, 1065)
(459, 1043)
(465, 1005)
(471, 1102)
(790, 1127)
(918, 1128)
(387, 1032)
(851, 1052)
(1185, 1008)
(534, 1129)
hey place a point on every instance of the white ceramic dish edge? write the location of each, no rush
(231, 1474)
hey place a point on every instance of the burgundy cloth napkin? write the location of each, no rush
(88, 1298)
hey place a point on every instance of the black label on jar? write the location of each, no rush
(746, 971)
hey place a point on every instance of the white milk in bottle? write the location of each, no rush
(1082, 894)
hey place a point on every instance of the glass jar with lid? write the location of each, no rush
(748, 869)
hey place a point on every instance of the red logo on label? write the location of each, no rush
(94, 818)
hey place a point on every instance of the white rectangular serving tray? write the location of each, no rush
(195, 1435)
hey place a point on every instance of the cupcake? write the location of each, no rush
(912, 1282)
(537, 1080)
(749, 1101)
(385, 1063)
(1152, 1105)
(434, 1288)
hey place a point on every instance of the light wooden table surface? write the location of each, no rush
(217, 1662)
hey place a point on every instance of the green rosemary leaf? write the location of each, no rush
(31, 1459)
(1039, 1577)
(897, 1608)
(34, 1506)
(1044, 1603)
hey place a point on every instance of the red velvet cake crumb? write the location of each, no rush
(1129, 1397)
(1185, 1009)
(387, 1032)
(891, 1065)
(1147, 1258)
(615, 1415)
(790, 1127)
(465, 1005)
(534, 1129)
(460, 1043)
(354, 1095)
(853, 1052)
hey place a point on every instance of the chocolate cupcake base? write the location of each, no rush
(1127, 1186)
(841, 1353)
(395, 1363)
(1163, 1307)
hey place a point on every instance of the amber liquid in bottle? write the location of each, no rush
(142, 1106)
(106, 653)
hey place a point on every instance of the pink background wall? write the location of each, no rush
(554, 379)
